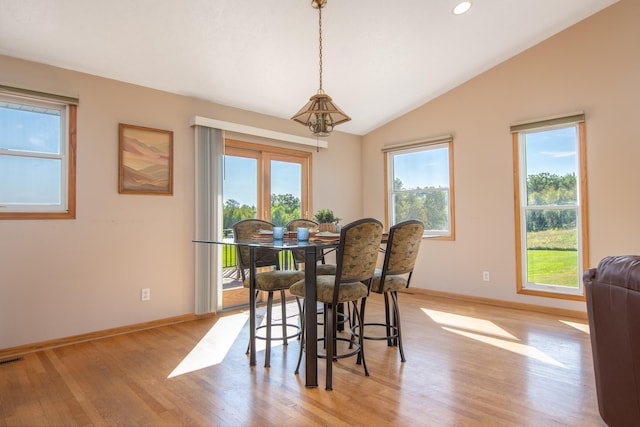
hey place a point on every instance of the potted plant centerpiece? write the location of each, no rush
(326, 220)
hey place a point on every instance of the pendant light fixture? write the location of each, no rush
(320, 114)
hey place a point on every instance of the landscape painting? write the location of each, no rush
(146, 160)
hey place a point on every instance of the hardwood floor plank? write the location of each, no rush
(468, 364)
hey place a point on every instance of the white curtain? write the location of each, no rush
(208, 201)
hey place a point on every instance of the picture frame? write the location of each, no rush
(145, 160)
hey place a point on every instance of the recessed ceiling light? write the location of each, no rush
(462, 7)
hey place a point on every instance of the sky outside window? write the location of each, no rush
(241, 177)
(285, 178)
(552, 151)
(26, 176)
(421, 169)
(240, 180)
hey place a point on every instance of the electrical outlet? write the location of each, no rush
(145, 294)
(485, 276)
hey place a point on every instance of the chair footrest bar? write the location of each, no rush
(355, 350)
(354, 331)
(276, 327)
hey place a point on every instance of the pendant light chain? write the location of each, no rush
(320, 32)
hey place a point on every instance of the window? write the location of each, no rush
(551, 216)
(419, 185)
(37, 155)
(265, 182)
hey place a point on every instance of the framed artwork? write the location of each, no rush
(146, 160)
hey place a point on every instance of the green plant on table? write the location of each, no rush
(326, 216)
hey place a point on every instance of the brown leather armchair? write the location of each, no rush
(613, 307)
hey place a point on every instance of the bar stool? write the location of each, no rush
(356, 258)
(272, 281)
(399, 261)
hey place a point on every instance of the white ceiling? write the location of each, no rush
(381, 59)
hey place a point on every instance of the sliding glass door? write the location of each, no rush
(263, 182)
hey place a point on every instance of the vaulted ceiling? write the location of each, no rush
(381, 59)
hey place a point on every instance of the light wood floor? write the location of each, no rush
(467, 365)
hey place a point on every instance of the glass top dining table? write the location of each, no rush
(312, 248)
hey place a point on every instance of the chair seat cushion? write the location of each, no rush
(391, 283)
(275, 280)
(325, 284)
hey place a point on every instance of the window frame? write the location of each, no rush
(523, 286)
(68, 126)
(414, 147)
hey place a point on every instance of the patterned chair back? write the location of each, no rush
(402, 247)
(358, 250)
(301, 222)
(245, 230)
(298, 254)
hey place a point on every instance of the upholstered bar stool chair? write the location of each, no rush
(274, 280)
(322, 268)
(356, 258)
(298, 254)
(402, 249)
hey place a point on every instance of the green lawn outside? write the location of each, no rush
(229, 257)
(552, 239)
(553, 258)
(554, 267)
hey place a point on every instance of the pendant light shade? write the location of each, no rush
(320, 114)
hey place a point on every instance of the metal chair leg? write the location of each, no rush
(396, 315)
(360, 320)
(302, 329)
(330, 342)
(249, 344)
(267, 356)
(283, 307)
(387, 314)
(360, 327)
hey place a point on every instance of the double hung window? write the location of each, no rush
(37, 156)
(550, 206)
(419, 185)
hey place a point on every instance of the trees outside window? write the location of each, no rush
(419, 185)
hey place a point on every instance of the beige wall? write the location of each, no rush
(593, 66)
(67, 277)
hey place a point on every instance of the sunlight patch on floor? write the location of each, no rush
(579, 326)
(515, 347)
(487, 332)
(214, 346)
(468, 323)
